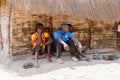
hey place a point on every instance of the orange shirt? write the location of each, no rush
(35, 36)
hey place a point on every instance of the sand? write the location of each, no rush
(11, 69)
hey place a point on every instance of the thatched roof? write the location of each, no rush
(108, 10)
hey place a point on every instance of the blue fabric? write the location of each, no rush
(64, 37)
(96, 56)
(116, 56)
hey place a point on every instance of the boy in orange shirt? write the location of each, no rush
(40, 40)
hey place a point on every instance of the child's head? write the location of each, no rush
(70, 27)
(64, 27)
(39, 27)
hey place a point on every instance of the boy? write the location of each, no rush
(63, 37)
(40, 40)
(81, 50)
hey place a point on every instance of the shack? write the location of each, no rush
(95, 21)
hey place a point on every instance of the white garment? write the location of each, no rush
(118, 29)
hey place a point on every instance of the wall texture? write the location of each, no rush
(23, 24)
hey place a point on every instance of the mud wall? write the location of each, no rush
(102, 34)
(23, 24)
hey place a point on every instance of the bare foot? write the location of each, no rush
(36, 65)
(50, 60)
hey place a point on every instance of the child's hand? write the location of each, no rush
(66, 47)
(79, 49)
(43, 49)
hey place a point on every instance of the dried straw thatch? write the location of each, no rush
(107, 10)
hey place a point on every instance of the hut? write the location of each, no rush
(94, 21)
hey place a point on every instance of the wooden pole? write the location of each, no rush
(1, 43)
(10, 13)
(50, 25)
(90, 34)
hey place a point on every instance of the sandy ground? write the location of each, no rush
(11, 69)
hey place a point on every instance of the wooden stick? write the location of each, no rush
(9, 25)
(50, 25)
(90, 34)
(1, 42)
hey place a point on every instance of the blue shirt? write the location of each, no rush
(66, 36)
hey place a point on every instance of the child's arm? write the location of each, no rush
(76, 41)
(78, 44)
(49, 41)
(66, 47)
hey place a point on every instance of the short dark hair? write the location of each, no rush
(70, 27)
(39, 26)
(63, 25)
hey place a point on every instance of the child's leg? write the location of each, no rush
(81, 51)
(73, 50)
(48, 53)
(36, 58)
(37, 48)
(58, 52)
(58, 49)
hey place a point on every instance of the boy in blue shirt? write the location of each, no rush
(63, 37)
